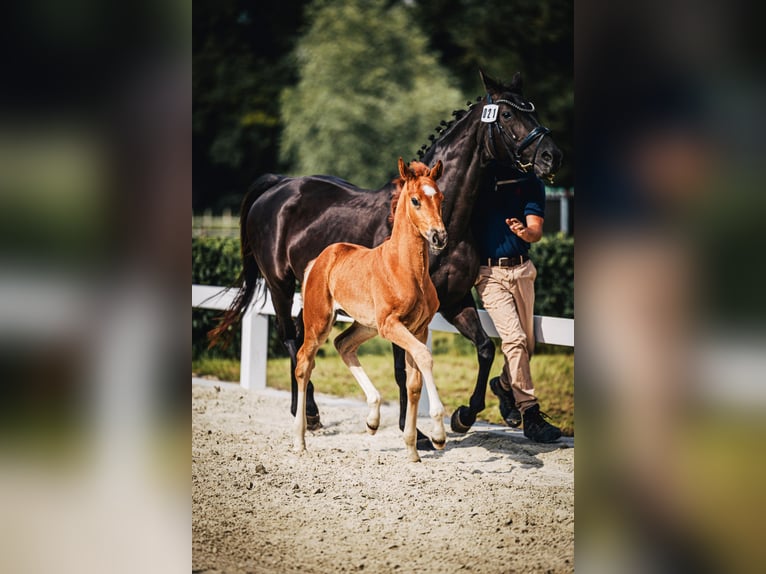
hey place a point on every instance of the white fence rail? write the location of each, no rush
(255, 329)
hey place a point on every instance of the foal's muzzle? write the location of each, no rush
(437, 239)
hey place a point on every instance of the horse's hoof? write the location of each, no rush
(462, 424)
(313, 423)
(372, 429)
(423, 442)
(439, 444)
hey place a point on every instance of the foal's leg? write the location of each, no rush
(396, 332)
(312, 411)
(414, 386)
(291, 334)
(348, 343)
(400, 373)
(436, 411)
(320, 318)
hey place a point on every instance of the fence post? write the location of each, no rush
(255, 350)
(564, 215)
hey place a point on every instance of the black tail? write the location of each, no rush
(248, 281)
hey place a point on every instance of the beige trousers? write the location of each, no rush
(508, 295)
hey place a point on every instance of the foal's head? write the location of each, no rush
(420, 198)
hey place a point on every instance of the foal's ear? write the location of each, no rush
(436, 171)
(404, 170)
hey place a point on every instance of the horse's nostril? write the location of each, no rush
(546, 155)
(438, 239)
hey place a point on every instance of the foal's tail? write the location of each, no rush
(249, 281)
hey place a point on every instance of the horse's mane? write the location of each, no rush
(420, 169)
(439, 132)
(444, 126)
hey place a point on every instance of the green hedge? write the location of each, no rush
(553, 256)
(216, 261)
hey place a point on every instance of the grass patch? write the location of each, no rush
(455, 377)
(455, 370)
(222, 369)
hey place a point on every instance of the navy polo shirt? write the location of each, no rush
(502, 199)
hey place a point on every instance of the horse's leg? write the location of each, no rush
(282, 294)
(465, 318)
(348, 343)
(397, 333)
(400, 373)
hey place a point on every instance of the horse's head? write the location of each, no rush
(513, 135)
(421, 199)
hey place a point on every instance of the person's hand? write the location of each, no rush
(516, 226)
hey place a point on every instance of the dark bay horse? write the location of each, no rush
(285, 222)
(388, 291)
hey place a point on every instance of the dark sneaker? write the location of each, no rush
(508, 410)
(536, 428)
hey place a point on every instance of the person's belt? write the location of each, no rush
(507, 261)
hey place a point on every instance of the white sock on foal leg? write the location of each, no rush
(373, 397)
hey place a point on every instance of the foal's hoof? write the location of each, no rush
(371, 429)
(462, 420)
(439, 444)
(423, 442)
(313, 423)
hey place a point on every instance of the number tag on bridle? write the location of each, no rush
(489, 113)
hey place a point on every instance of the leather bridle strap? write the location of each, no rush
(537, 134)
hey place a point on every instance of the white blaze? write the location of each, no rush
(429, 191)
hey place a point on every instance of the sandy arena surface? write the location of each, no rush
(492, 501)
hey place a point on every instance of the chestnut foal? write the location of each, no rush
(386, 290)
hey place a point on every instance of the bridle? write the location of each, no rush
(489, 116)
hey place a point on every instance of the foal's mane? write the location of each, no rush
(419, 169)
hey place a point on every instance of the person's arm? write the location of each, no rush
(531, 232)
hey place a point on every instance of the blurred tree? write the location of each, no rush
(364, 85)
(239, 50)
(369, 91)
(533, 37)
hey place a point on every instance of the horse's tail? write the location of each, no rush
(249, 281)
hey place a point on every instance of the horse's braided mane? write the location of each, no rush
(444, 126)
(420, 169)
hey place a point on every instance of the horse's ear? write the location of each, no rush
(436, 171)
(516, 82)
(490, 84)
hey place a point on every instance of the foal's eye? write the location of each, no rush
(415, 202)
(507, 115)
